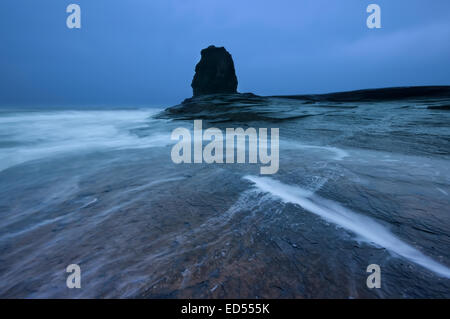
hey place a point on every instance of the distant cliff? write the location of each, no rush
(215, 73)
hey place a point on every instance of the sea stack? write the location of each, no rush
(215, 73)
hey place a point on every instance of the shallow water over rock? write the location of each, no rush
(359, 183)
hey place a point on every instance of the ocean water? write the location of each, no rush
(360, 183)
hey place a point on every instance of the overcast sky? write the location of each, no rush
(143, 52)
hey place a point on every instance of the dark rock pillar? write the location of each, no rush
(215, 73)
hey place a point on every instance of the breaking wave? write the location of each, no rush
(27, 136)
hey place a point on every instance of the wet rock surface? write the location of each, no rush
(140, 225)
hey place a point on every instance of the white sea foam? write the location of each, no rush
(338, 154)
(27, 136)
(361, 225)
